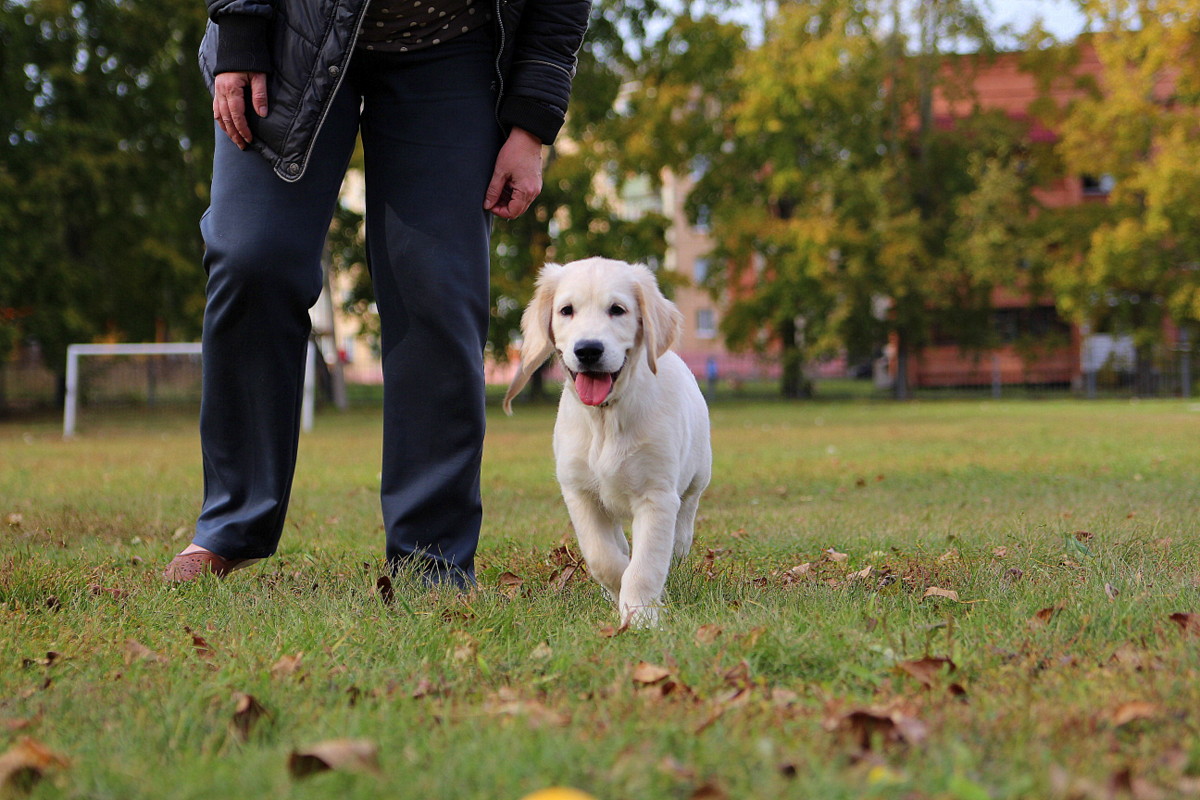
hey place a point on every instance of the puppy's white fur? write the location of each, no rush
(643, 453)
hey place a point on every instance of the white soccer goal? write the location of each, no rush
(77, 351)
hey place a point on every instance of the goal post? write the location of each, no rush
(77, 351)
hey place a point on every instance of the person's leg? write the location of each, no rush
(263, 239)
(430, 140)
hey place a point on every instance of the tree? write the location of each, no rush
(841, 210)
(1131, 265)
(107, 150)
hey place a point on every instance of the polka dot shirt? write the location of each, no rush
(400, 26)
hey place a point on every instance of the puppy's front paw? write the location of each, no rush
(641, 616)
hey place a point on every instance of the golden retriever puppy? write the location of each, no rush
(631, 440)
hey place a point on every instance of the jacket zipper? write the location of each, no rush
(341, 76)
(499, 73)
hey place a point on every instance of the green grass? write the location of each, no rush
(1086, 513)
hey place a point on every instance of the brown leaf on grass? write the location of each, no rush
(136, 651)
(25, 763)
(934, 591)
(562, 577)
(645, 673)
(866, 726)
(738, 676)
(863, 573)
(96, 590)
(384, 590)
(344, 755)
(465, 647)
(835, 556)
(1189, 624)
(1111, 591)
(246, 714)
(926, 670)
(949, 556)
(508, 703)
(563, 555)
(1044, 616)
(1000, 552)
(510, 584)
(710, 790)
(14, 519)
(1132, 711)
(707, 634)
(427, 688)
(286, 666)
(201, 645)
(1081, 536)
(609, 631)
(797, 572)
(48, 661)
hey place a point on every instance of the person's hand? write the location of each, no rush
(517, 178)
(229, 103)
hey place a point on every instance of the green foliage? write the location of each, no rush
(107, 150)
(831, 191)
(1134, 268)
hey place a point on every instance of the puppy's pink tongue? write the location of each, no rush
(593, 387)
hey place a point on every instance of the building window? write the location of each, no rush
(1098, 185)
(706, 324)
(700, 270)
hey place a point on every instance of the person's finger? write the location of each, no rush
(224, 119)
(495, 189)
(236, 100)
(258, 92)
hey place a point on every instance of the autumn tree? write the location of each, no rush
(1130, 265)
(842, 212)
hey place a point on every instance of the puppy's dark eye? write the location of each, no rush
(567, 311)
(616, 310)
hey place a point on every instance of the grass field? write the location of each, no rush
(803, 655)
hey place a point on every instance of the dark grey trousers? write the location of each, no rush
(430, 140)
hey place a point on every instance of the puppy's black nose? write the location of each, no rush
(588, 352)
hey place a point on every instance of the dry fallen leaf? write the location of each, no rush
(708, 791)
(510, 584)
(1131, 712)
(834, 555)
(868, 725)
(136, 651)
(247, 712)
(1044, 616)
(1000, 552)
(465, 647)
(384, 590)
(201, 645)
(286, 666)
(864, 573)
(645, 673)
(1188, 623)
(926, 670)
(707, 634)
(934, 591)
(609, 631)
(560, 579)
(24, 764)
(344, 755)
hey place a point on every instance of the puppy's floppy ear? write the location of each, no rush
(538, 339)
(661, 321)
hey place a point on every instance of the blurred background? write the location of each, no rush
(881, 198)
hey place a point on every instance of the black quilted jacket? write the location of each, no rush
(305, 46)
